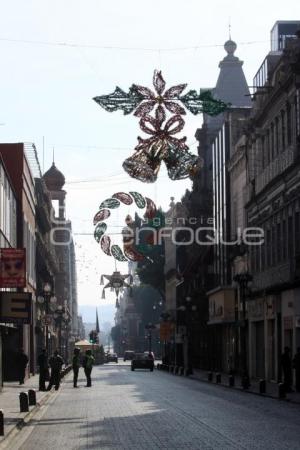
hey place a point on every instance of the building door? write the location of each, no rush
(260, 349)
(288, 340)
(271, 350)
(10, 348)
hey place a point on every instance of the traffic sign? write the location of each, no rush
(165, 330)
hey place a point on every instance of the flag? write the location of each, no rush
(97, 322)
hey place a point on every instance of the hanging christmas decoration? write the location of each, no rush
(116, 282)
(130, 250)
(162, 145)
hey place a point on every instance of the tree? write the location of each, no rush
(151, 269)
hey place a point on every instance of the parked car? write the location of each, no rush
(129, 354)
(142, 361)
(112, 357)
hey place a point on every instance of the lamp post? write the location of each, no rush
(243, 280)
(165, 335)
(188, 308)
(60, 316)
(149, 327)
(49, 302)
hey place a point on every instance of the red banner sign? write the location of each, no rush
(12, 267)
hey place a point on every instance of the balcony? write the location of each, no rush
(275, 276)
(275, 168)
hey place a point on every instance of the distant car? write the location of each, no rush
(112, 357)
(129, 354)
(142, 361)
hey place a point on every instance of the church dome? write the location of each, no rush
(54, 179)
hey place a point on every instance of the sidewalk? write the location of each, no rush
(271, 388)
(9, 402)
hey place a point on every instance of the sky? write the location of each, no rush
(57, 55)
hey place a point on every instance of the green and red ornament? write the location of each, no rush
(162, 145)
(129, 252)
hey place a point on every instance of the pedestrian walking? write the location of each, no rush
(22, 361)
(286, 364)
(76, 365)
(88, 362)
(55, 363)
(296, 365)
(44, 369)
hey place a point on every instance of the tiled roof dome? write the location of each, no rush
(54, 179)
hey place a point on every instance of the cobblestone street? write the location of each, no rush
(144, 410)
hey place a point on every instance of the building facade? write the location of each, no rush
(66, 278)
(273, 149)
(8, 238)
(20, 174)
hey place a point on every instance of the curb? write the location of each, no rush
(247, 391)
(220, 385)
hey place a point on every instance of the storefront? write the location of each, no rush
(222, 319)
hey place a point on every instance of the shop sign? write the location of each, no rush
(221, 306)
(256, 309)
(15, 307)
(12, 267)
(165, 331)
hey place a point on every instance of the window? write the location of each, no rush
(272, 142)
(263, 253)
(263, 151)
(279, 243)
(283, 240)
(297, 115)
(276, 137)
(289, 124)
(290, 237)
(268, 148)
(274, 242)
(282, 113)
(268, 246)
(297, 232)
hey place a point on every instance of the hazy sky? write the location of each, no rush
(56, 55)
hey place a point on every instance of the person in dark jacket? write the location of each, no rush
(55, 363)
(44, 369)
(296, 365)
(286, 364)
(22, 361)
(88, 362)
(76, 365)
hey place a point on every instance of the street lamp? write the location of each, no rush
(49, 301)
(188, 308)
(60, 316)
(149, 327)
(243, 280)
(165, 327)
